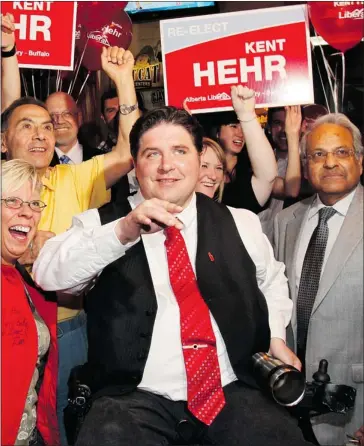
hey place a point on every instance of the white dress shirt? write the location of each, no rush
(71, 260)
(334, 224)
(133, 182)
(75, 154)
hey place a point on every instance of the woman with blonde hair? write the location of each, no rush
(212, 171)
(29, 322)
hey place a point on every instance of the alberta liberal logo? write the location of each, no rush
(211, 97)
(357, 14)
(101, 36)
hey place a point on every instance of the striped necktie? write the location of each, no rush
(205, 396)
(64, 159)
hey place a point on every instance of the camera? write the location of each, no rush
(288, 387)
(284, 382)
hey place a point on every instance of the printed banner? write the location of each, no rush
(267, 50)
(44, 33)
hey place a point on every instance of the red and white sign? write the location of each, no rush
(267, 50)
(44, 33)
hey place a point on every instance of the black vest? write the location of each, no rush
(121, 308)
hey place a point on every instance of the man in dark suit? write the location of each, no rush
(320, 239)
(181, 304)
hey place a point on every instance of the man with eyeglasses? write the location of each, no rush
(320, 240)
(66, 121)
(284, 129)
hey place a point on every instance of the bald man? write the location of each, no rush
(66, 119)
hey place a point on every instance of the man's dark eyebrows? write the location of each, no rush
(24, 120)
(31, 120)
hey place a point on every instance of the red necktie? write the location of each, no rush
(205, 396)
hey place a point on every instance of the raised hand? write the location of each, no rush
(243, 99)
(293, 121)
(117, 63)
(149, 217)
(7, 32)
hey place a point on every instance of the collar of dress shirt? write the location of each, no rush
(341, 207)
(75, 153)
(186, 216)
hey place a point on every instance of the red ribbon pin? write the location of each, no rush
(211, 257)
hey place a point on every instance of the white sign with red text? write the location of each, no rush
(267, 50)
(44, 33)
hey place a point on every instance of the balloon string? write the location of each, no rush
(330, 75)
(57, 79)
(83, 86)
(33, 84)
(322, 82)
(24, 83)
(48, 82)
(343, 77)
(72, 84)
(343, 80)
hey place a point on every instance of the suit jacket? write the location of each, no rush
(335, 331)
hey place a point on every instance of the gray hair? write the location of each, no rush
(338, 119)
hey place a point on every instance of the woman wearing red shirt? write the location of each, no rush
(29, 339)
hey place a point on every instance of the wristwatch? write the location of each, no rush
(126, 109)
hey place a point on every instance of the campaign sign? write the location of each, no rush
(44, 33)
(267, 50)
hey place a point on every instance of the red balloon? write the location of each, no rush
(118, 32)
(341, 26)
(93, 15)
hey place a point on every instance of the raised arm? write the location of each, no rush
(10, 75)
(61, 264)
(260, 151)
(290, 185)
(118, 65)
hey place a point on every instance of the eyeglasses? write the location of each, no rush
(319, 156)
(17, 203)
(66, 115)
